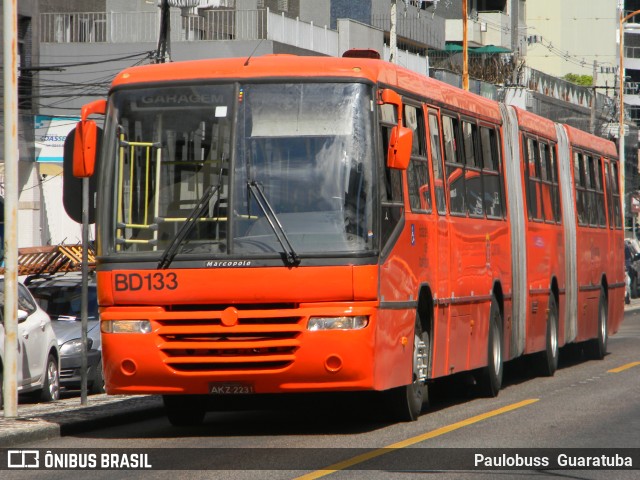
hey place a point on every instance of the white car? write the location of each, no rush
(38, 357)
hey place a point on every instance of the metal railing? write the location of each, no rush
(134, 27)
(124, 27)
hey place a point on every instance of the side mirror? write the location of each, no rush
(400, 144)
(401, 137)
(22, 315)
(84, 149)
(86, 140)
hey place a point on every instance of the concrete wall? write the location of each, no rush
(585, 29)
(317, 11)
(356, 35)
(359, 10)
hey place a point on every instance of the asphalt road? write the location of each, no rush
(588, 404)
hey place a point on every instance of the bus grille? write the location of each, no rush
(253, 343)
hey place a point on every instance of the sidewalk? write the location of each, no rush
(38, 421)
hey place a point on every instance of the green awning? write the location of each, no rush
(490, 49)
(452, 47)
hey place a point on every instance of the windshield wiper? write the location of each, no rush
(290, 255)
(187, 227)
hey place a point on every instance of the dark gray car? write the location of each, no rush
(60, 296)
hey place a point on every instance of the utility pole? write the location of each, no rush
(393, 36)
(163, 52)
(465, 48)
(594, 79)
(11, 158)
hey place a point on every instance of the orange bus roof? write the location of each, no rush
(536, 125)
(580, 138)
(288, 66)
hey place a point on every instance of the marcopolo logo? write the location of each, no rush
(23, 459)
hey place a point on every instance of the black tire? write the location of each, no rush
(548, 359)
(634, 284)
(490, 378)
(406, 402)
(97, 384)
(185, 410)
(597, 348)
(51, 382)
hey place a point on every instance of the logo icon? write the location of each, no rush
(23, 459)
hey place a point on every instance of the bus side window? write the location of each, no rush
(472, 166)
(599, 192)
(491, 178)
(455, 170)
(436, 159)
(418, 171)
(590, 194)
(615, 195)
(555, 190)
(607, 186)
(546, 182)
(532, 160)
(392, 202)
(579, 179)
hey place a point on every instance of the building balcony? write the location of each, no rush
(490, 28)
(211, 25)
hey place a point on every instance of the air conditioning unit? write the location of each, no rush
(529, 101)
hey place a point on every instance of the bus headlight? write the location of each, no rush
(337, 323)
(125, 326)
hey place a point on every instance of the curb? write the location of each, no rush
(69, 418)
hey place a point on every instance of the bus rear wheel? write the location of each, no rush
(490, 378)
(406, 402)
(597, 348)
(185, 410)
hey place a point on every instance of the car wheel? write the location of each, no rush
(97, 385)
(51, 384)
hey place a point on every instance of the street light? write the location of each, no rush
(621, 129)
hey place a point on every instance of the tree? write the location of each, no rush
(582, 80)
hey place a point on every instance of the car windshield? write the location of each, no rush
(64, 302)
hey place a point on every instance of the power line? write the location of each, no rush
(147, 54)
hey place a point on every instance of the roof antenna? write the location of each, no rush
(254, 51)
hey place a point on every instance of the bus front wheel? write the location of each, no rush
(406, 402)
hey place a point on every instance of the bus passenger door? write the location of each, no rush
(440, 248)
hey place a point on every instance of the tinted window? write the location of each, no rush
(61, 301)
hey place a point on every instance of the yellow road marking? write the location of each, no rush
(412, 441)
(624, 367)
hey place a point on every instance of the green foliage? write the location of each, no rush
(582, 80)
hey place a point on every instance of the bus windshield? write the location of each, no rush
(252, 170)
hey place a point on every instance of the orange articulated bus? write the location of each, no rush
(313, 224)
